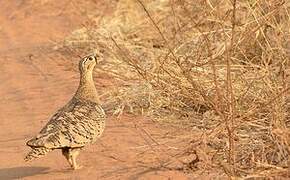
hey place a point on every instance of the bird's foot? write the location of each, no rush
(77, 167)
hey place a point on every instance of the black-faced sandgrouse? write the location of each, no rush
(80, 122)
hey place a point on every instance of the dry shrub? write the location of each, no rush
(220, 67)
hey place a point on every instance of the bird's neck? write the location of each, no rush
(87, 89)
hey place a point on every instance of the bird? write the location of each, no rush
(80, 122)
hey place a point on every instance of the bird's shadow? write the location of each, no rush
(21, 172)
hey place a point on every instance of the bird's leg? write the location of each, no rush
(65, 152)
(73, 153)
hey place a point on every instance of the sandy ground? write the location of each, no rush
(34, 84)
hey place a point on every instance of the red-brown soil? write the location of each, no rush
(35, 82)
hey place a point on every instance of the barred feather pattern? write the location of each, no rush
(78, 123)
(36, 153)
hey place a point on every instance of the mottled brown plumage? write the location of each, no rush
(79, 122)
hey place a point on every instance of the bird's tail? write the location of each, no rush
(37, 153)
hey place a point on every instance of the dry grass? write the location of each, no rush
(220, 67)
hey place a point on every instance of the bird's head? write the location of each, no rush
(88, 62)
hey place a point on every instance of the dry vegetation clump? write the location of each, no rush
(220, 67)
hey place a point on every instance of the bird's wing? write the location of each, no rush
(76, 124)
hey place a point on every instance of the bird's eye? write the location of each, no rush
(90, 58)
